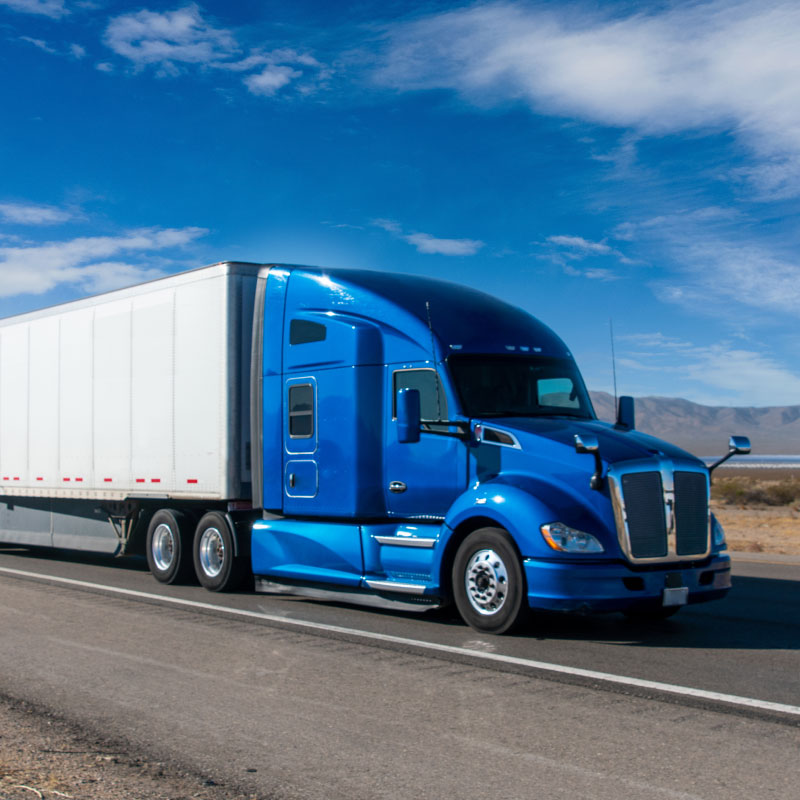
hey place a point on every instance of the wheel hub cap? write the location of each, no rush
(486, 580)
(212, 552)
(163, 547)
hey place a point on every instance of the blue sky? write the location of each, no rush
(634, 162)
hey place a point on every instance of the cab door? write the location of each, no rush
(300, 468)
(422, 479)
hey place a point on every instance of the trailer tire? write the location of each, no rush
(488, 582)
(168, 552)
(216, 564)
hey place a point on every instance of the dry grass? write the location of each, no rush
(759, 509)
(742, 490)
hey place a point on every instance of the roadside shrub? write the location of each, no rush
(745, 491)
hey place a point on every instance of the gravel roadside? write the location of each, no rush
(48, 758)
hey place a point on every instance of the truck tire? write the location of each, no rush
(488, 582)
(168, 552)
(217, 567)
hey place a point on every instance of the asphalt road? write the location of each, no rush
(324, 712)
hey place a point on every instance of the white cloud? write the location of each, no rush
(104, 66)
(173, 41)
(566, 250)
(27, 214)
(40, 43)
(85, 261)
(724, 65)
(425, 243)
(46, 8)
(718, 271)
(77, 51)
(430, 245)
(270, 79)
(580, 244)
(168, 39)
(716, 375)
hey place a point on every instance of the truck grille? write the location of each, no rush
(661, 514)
(644, 507)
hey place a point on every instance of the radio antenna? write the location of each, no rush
(433, 359)
(613, 361)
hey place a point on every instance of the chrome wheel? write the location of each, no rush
(211, 552)
(162, 547)
(486, 582)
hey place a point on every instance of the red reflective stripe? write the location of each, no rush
(107, 480)
(16, 479)
(66, 480)
(80, 480)
(155, 480)
(192, 480)
(6, 479)
(40, 479)
(140, 480)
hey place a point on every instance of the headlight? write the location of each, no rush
(568, 540)
(718, 534)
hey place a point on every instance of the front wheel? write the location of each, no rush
(215, 561)
(488, 583)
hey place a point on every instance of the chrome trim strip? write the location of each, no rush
(514, 441)
(406, 541)
(667, 468)
(256, 391)
(391, 586)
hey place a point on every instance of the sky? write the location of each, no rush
(633, 166)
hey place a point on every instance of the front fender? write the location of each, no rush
(511, 508)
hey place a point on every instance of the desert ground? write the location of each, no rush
(759, 509)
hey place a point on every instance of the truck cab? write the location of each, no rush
(426, 442)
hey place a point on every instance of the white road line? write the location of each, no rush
(623, 680)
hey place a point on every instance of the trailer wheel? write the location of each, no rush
(488, 582)
(168, 554)
(215, 562)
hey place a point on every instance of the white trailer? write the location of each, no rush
(133, 396)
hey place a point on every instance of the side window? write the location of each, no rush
(557, 392)
(303, 331)
(301, 411)
(433, 402)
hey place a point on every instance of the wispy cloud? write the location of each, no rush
(566, 250)
(428, 244)
(169, 39)
(174, 41)
(27, 214)
(40, 43)
(87, 262)
(720, 65)
(717, 375)
(47, 8)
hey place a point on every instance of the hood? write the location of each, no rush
(615, 444)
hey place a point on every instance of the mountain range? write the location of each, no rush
(705, 430)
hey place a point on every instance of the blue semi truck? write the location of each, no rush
(356, 431)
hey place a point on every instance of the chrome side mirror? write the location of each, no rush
(737, 445)
(589, 444)
(409, 416)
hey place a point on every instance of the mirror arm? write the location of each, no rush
(463, 432)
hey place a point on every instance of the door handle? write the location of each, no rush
(397, 487)
(291, 480)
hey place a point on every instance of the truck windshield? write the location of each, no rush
(519, 386)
